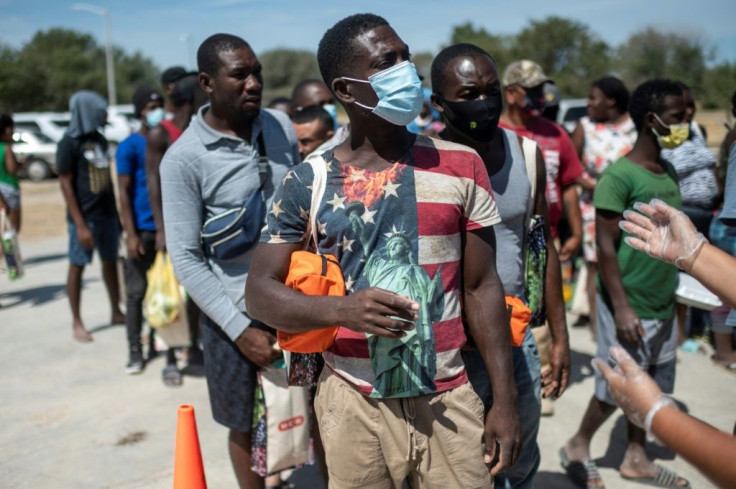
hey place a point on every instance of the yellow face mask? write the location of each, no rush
(678, 134)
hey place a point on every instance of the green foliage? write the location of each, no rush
(499, 47)
(650, 53)
(58, 62)
(719, 84)
(284, 68)
(566, 50)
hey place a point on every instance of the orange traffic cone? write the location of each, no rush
(188, 468)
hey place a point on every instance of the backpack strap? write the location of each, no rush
(529, 149)
(319, 168)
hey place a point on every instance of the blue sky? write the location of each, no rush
(169, 31)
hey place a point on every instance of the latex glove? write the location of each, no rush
(633, 390)
(663, 232)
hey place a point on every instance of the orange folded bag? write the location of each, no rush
(312, 274)
(519, 317)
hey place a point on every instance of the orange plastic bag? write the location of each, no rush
(519, 317)
(312, 274)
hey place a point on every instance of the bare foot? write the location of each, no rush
(117, 317)
(636, 465)
(80, 334)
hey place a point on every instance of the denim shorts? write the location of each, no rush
(105, 233)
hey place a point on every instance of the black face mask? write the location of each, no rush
(477, 119)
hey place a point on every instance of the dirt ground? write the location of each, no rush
(43, 210)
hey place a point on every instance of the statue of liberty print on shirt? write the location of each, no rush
(408, 363)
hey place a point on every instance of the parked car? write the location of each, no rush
(54, 124)
(36, 154)
(571, 110)
(51, 124)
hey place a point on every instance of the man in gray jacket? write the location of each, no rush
(210, 169)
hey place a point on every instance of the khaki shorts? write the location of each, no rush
(433, 441)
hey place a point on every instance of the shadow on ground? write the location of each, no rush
(553, 480)
(38, 260)
(37, 296)
(580, 366)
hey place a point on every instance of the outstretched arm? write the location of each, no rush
(700, 444)
(667, 234)
(485, 311)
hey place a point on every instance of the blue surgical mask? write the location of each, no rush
(332, 110)
(155, 117)
(399, 92)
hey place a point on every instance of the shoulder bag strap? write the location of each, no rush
(529, 148)
(319, 168)
(262, 159)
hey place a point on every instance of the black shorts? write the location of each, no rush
(231, 378)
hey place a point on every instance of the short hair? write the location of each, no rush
(6, 121)
(184, 90)
(208, 54)
(615, 89)
(311, 113)
(278, 101)
(733, 103)
(440, 62)
(299, 88)
(337, 48)
(649, 97)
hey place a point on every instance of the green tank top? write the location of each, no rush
(5, 175)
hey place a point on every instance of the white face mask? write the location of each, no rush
(399, 92)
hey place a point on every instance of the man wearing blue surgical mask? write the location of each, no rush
(410, 220)
(315, 92)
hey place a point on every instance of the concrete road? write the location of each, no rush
(70, 417)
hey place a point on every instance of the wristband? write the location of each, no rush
(663, 401)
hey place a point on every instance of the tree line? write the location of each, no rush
(42, 74)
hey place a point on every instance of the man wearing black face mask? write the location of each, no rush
(466, 91)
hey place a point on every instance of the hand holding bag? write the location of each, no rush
(232, 233)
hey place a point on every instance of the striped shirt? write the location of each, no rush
(399, 229)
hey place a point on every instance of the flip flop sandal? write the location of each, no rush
(580, 472)
(664, 478)
(171, 376)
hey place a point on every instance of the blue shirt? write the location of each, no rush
(131, 160)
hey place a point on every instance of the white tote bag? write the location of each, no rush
(287, 422)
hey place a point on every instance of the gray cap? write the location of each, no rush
(526, 73)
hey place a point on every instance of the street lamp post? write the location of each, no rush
(111, 92)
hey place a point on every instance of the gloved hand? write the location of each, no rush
(633, 390)
(663, 232)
